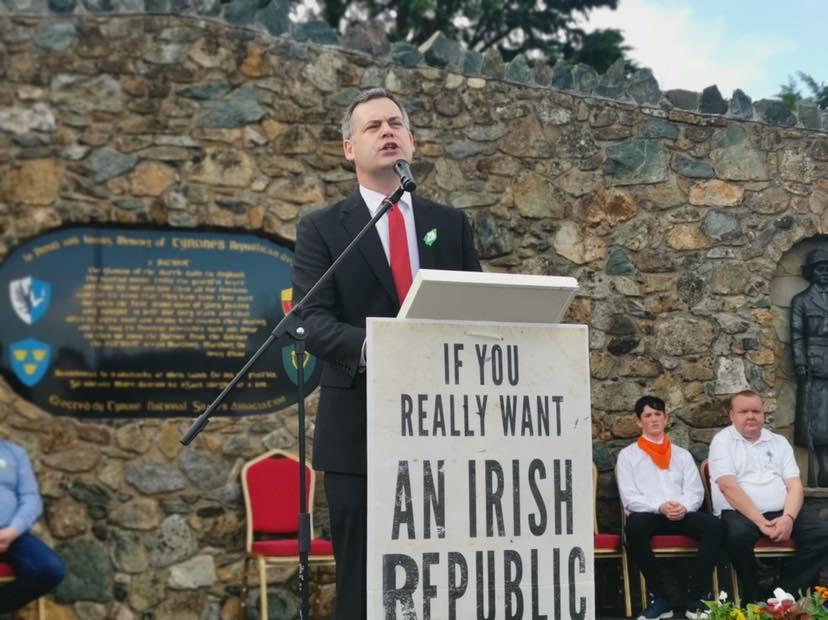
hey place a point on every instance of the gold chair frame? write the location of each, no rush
(611, 553)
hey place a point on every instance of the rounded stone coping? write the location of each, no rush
(639, 89)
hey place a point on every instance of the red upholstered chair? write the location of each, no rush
(7, 576)
(610, 545)
(671, 546)
(764, 547)
(270, 484)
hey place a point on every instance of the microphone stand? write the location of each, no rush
(291, 325)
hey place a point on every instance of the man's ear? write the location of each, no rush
(348, 149)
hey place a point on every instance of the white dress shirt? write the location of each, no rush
(761, 468)
(644, 486)
(373, 200)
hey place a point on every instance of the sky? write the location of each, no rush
(749, 44)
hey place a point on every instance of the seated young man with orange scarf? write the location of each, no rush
(661, 492)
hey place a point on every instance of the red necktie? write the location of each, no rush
(398, 250)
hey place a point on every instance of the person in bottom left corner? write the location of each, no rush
(38, 569)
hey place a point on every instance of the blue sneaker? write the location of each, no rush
(659, 607)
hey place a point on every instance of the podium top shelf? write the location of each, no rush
(494, 297)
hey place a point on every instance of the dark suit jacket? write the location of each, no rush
(362, 286)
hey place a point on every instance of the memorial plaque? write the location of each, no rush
(105, 322)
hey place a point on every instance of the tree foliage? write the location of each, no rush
(537, 28)
(790, 93)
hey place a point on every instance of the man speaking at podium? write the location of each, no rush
(372, 281)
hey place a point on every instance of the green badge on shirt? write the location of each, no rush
(430, 237)
(3, 464)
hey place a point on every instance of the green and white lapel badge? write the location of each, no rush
(430, 237)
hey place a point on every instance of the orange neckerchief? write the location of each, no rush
(659, 452)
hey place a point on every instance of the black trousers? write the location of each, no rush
(801, 571)
(702, 526)
(348, 506)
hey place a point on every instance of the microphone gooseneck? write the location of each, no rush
(403, 170)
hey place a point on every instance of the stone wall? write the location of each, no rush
(675, 223)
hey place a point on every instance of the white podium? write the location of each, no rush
(480, 452)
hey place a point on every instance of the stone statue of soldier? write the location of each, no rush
(809, 343)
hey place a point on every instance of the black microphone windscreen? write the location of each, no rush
(403, 170)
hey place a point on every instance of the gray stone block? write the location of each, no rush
(584, 79)
(209, 90)
(405, 54)
(518, 70)
(636, 161)
(240, 12)
(613, 82)
(692, 168)
(472, 63)
(26, 6)
(440, 51)
(660, 128)
(619, 263)
(237, 111)
(128, 6)
(741, 106)
(493, 66)
(316, 31)
(275, 17)
(562, 76)
(721, 226)
(63, 7)
(683, 99)
(98, 6)
(367, 37)
(542, 73)
(642, 87)
(57, 36)
(712, 102)
(809, 114)
(88, 572)
(775, 112)
(108, 163)
(207, 7)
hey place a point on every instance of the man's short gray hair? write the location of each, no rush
(368, 95)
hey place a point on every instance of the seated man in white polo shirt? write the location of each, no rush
(757, 492)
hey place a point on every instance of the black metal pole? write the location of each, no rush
(304, 526)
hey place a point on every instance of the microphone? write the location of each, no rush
(403, 171)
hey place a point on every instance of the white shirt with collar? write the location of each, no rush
(761, 468)
(373, 200)
(644, 486)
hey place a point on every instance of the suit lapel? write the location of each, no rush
(816, 298)
(424, 221)
(355, 216)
